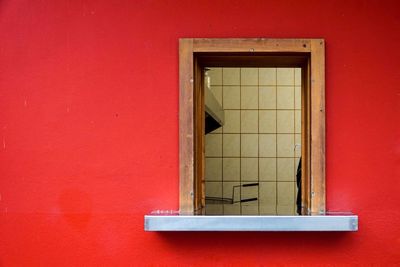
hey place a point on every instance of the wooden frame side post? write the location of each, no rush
(318, 198)
(186, 127)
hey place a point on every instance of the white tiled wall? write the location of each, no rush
(257, 143)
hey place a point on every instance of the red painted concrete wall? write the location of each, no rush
(89, 130)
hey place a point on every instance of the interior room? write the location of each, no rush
(251, 161)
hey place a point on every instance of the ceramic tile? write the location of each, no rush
(249, 76)
(267, 97)
(250, 210)
(231, 145)
(297, 141)
(267, 200)
(297, 121)
(231, 97)
(285, 145)
(215, 76)
(214, 209)
(267, 169)
(249, 121)
(249, 145)
(249, 169)
(285, 194)
(213, 169)
(285, 121)
(232, 209)
(285, 169)
(213, 189)
(297, 76)
(285, 76)
(285, 210)
(267, 146)
(285, 97)
(267, 210)
(232, 121)
(296, 165)
(249, 97)
(267, 121)
(231, 169)
(297, 97)
(213, 145)
(267, 76)
(231, 76)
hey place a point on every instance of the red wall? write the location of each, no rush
(89, 130)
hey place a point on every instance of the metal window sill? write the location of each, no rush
(343, 222)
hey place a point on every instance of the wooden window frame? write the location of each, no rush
(196, 53)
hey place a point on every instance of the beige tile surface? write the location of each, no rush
(249, 76)
(267, 169)
(215, 76)
(250, 210)
(285, 145)
(296, 165)
(231, 76)
(285, 76)
(249, 145)
(232, 121)
(213, 169)
(231, 97)
(297, 76)
(267, 76)
(285, 210)
(267, 200)
(231, 145)
(249, 169)
(231, 169)
(285, 121)
(297, 97)
(249, 121)
(267, 97)
(232, 209)
(267, 147)
(213, 189)
(285, 97)
(285, 194)
(214, 209)
(285, 170)
(298, 121)
(213, 145)
(267, 121)
(249, 97)
(297, 141)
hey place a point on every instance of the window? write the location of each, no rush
(197, 54)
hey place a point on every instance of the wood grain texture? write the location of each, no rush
(251, 45)
(186, 123)
(318, 126)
